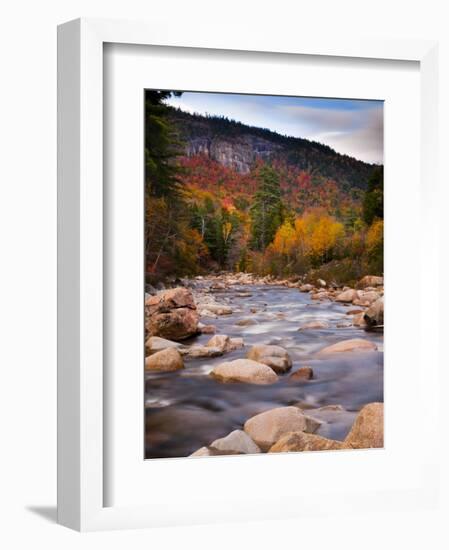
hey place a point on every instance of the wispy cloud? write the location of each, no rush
(351, 127)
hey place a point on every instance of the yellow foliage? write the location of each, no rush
(315, 235)
(285, 239)
(375, 236)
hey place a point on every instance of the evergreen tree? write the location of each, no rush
(161, 148)
(373, 202)
(266, 210)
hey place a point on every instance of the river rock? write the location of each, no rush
(359, 320)
(236, 442)
(207, 329)
(244, 370)
(166, 360)
(203, 451)
(353, 345)
(268, 427)
(275, 357)
(370, 296)
(321, 282)
(306, 288)
(204, 351)
(223, 342)
(246, 322)
(354, 311)
(171, 314)
(293, 442)
(374, 315)
(370, 280)
(320, 295)
(347, 296)
(361, 303)
(367, 431)
(314, 325)
(154, 344)
(217, 309)
(303, 373)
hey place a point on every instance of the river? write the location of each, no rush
(188, 409)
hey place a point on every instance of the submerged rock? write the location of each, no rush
(244, 370)
(367, 432)
(293, 442)
(246, 322)
(275, 357)
(207, 329)
(166, 360)
(268, 427)
(355, 344)
(303, 373)
(236, 442)
(310, 325)
(359, 321)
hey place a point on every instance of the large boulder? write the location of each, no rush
(353, 345)
(293, 442)
(166, 360)
(268, 427)
(171, 314)
(374, 315)
(367, 432)
(347, 296)
(236, 442)
(275, 357)
(244, 370)
(370, 280)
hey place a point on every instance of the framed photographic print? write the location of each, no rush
(235, 267)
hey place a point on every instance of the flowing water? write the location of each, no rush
(188, 409)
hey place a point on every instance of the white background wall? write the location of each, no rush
(28, 269)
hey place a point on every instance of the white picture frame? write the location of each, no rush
(81, 387)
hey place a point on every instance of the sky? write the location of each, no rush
(352, 127)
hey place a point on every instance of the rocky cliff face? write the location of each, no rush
(238, 146)
(239, 153)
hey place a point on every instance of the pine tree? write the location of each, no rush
(161, 148)
(266, 210)
(373, 202)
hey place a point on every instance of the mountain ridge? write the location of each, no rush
(239, 146)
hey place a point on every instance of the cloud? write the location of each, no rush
(351, 127)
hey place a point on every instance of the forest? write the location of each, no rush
(304, 211)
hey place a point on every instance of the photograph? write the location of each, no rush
(263, 252)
